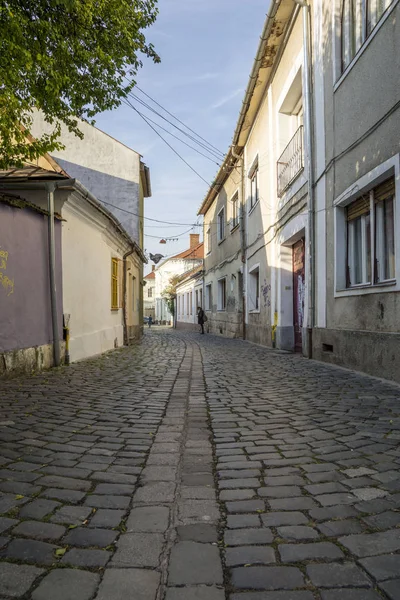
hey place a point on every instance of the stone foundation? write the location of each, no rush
(28, 360)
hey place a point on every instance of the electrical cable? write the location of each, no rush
(168, 144)
(176, 118)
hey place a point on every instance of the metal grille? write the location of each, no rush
(291, 162)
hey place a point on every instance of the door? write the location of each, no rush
(298, 293)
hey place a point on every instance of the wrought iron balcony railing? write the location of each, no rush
(291, 162)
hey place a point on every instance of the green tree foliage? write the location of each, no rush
(169, 293)
(70, 58)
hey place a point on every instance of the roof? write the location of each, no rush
(151, 275)
(268, 56)
(18, 202)
(192, 274)
(191, 253)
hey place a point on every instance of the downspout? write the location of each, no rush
(124, 281)
(242, 238)
(310, 169)
(50, 187)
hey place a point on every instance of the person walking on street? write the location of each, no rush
(150, 321)
(201, 318)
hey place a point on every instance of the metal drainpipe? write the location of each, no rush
(242, 238)
(310, 156)
(124, 278)
(52, 262)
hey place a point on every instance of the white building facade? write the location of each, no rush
(189, 298)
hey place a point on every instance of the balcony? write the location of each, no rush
(291, 162)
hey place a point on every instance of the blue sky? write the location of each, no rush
(207, 48)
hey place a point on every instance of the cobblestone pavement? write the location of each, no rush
(197, 468)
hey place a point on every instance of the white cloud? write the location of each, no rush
(225, 99)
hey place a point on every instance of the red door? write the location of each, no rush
(298, 292)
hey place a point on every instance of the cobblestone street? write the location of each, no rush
(199, 468)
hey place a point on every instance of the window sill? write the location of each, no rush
(235, 228)
(253, 207)
(208, 253)
(364, 46)
(221, 241)
(221, 310)
(367, 288)
(114, 309)
(255, 311)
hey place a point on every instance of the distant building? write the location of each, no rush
(175, 265)
(189, 297)
(149, 296)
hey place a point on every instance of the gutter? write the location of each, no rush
(273, 9)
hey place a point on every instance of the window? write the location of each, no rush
(191, 303)
(235, 211)
(358, 19)
(209, 246)
(133, 293)
(371, 237)
(254, 289)
(150, 292)
(114, 283)
(222, 294)
(187, 303)
(209, 296)
(196, 297)
(254, 191)
(221, 225)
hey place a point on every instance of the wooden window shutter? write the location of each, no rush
(358, 208)
(384, 191)
(120, 282)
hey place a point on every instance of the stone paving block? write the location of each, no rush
(236, 494)
(192, 563)
(245, 506)
(67, 584)
(350, 594)
(199, 532)
(242, 555)
(325, 488)
(241, 537)
(64, 495)
(107, 518)
(6, 523)
(274, 519)
(371, 544)
(37, 509)
(392, 588)
(386, 566)
(155, 492)
(68, 483)
(359, 472)
(315, 551)
(235, 484)
(30, 551)
(284, 480)
(279, 491)
(337, 575)
(239, 474)
(114, 478)
(138, 550)
(369, 493)
(86, 558)
(333, 512)
(336, 528)
(335, 499)
(267, 578)
(240, 521)
(151, 519)
(289, 595)
(297, 532)
(39, 530)
(85, 537)
(154, 473)
(321, 477)
(198, 493)
(121, 502)
(15, 580)
(191, 511)
(199, 592)
(293, 504)
(71, 515)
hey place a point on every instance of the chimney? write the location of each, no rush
(194, 240)
(153, 268)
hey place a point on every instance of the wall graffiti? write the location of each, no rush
(5, 281)
(266, 293)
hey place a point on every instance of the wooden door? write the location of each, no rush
(298, 292)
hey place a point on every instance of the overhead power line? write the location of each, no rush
(130, 212)
(206, 147)
(168, 144)
(179, 139)
(176, 118)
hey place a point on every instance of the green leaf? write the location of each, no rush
(19, 497)
(72, 526)
(60, 551)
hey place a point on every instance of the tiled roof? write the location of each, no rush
(196, 252)
(151, 275)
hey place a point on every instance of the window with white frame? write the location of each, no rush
(209, 296)
(150, 292)
(371, 237)
(358, 19)
(235, 211)
(222, 294)
(191, 303)
(209, 240)
(254, 289)
(254, 188)
(187, 303)
(221, 225)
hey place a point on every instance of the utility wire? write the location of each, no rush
(176, 118)
(179, 139)
(147, 218)
(168, 144)
(217, 154)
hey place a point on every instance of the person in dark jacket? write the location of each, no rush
(150, 321)
(200, 318)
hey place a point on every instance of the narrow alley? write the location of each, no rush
(196, 467)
